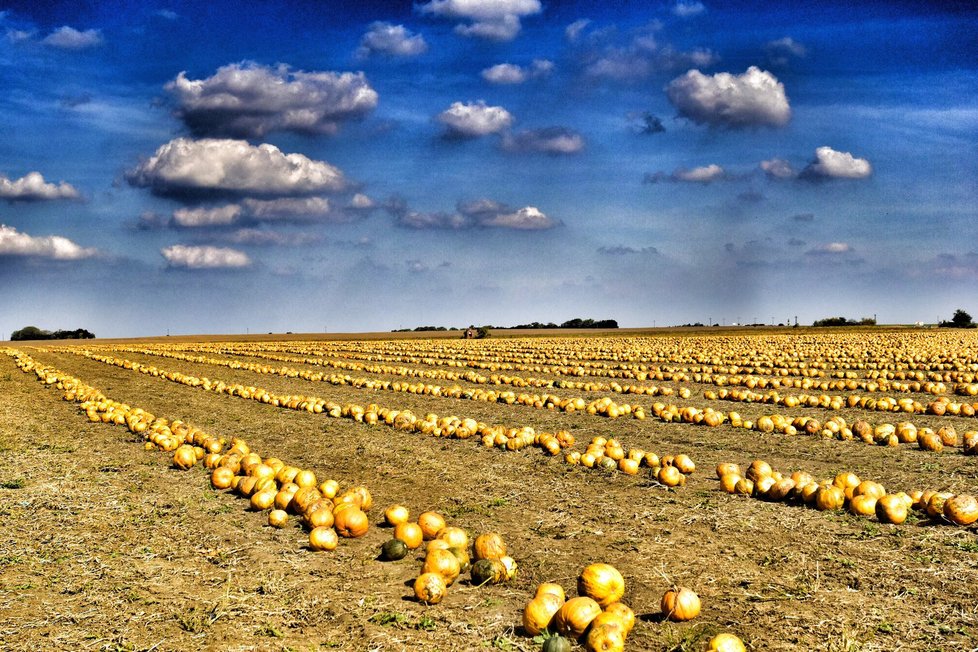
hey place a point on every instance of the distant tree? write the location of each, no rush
(483, 332)
(30, 333)
(961, 319)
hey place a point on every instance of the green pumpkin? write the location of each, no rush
(556, 644)
(393, 550)
(488, 571)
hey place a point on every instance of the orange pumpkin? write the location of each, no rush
(829, 497)
(551, 587)
(321, 517)
(605, 637)
(961, 509)
(323, 538)
(431, 524)
(222, 477)
(576, 615)
(728, 482)
(456, 537)
(680, 604)
(670, 476)
(726, 643)
(350, 523)
(278, 518)
(723, 468)
(602, 582)
(430, 588)
(489, 545)
(442, 561)
(396, 514)
(410, 534)
(891, 508)
(624, 614)
(540, 611)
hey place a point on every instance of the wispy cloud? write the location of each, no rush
(204, 257)
(387, 39)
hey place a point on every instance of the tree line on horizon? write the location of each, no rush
(35, 333)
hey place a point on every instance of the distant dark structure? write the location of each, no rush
(842, 321)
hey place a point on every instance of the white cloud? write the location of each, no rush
(688, 8)
(391, 40)
(786, 45)
(205, 257)
(361, 202)
(526, 218)
(262, 238)
(33, 187)
(508, 73)
(830, 164)
(830, 249)
(474, 119)
(287, 208)
(69, 38)
(497, 20)
(249, 100)
(702, 174)
(20, 35)
(204, 217)
(754, 98)
(481, 213)
(187, 167)
(575, 29)
(642, 57)
(15, 243)
(549, 140)
(778, 168)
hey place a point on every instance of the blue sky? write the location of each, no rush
(192, 167)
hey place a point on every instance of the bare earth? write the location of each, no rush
(105, 546)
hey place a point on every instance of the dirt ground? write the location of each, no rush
(106, 547)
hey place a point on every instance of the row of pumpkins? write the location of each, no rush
(509, 438)
(938, 407)
(602, 407)
(835, 427)
(845, 491)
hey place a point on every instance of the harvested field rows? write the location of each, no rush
(110, 547)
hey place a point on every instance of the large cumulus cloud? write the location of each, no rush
(33, 187)
(753, 99)
(247, 100)
(185, 167)
(56, 247)
(497, 20)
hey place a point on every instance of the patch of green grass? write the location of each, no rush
(427, 624)
(388, 618)
(16, 483)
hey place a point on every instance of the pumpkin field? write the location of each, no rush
(776, 489)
